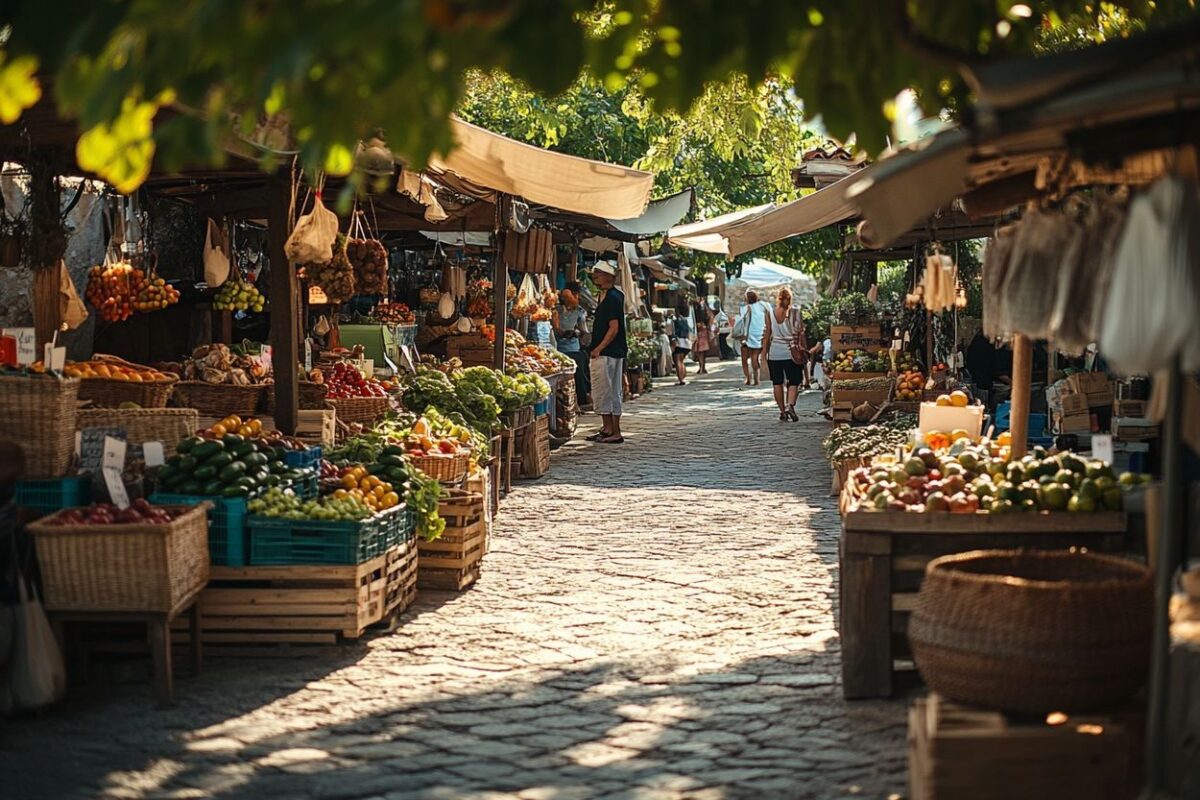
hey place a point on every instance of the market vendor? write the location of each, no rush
(571, 330)
(609, 348)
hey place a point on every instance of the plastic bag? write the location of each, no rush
(1083, 280)
(1150, 312)
(996, 256)
(38, 676)
(311, 241)
(1031, 284)
(71, 309)
(216, 255)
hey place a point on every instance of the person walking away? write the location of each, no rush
(570, 328)
(785, 334)
(723, 327)
(755, 315)
(703, 342)
(681, 337)
(608, 351)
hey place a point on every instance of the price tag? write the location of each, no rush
(78, 443)
(152, 453)
(114, 454)
(1102, 447)
(307, 355)
(896, 344)
(264, 357)
(116, 487)
(58, 359)
(26, 344)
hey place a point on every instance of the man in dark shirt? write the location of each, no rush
(609, 348)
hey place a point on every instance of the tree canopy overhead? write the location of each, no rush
(339, 70)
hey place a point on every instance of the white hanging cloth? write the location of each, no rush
(629, 287)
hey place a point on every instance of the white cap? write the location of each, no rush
(607, 267)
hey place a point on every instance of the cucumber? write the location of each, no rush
(397, 475)
(255, 460)
(232, 439)
(204, 473)
(292, 475)
(186, 464)
(277, 467)
(190, 487)
(259, 473)
(246, 482)
(166, 471)
(242, 450)
(393, 450)
(219, 460)
(232, 471)
(235, 491)
(206, 450)
(391, 460)
(186, 445)
(277, 454)
(214, 488)
(175, 481)
(376, 469)
(272, 480)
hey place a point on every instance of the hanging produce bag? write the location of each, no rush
(216, 255)
(996, 256)
(368, 257)
(527, 297)
(1085, 275)
(1031, 284)
(71, 309)
(312, 240)
(38, 676)
(336, 276)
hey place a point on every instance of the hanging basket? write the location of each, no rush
(217, 399)
(39, 417)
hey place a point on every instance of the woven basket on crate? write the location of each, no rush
(39, 417)
(360, 409)
(310, 396)
(135, 567)
(445, 468)
(112, 392)
(217, 399)
(166, 425)
(1032, 631)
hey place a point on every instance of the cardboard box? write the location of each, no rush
(1133, 429)
(950, 418)
(1088, 382)
(1073, 423)
(1129, 408)
(1102, 399)
(1074, 403)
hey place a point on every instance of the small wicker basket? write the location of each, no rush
(112, 392)
(39, 417)
(218, 399)
(360, 409)
(311, 396)
(166, 425)
(443, 468)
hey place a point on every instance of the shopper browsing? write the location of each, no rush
(785, 334)
(681, 342)
(754, 316)
(571, 331)
(609, 348)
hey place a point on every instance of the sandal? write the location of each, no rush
(611, 440)
(597, 436)
(791, 412)
(783, 416)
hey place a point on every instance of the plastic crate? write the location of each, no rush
(307, 487)
(227, 540)
(542, 407)
(302, 458)
(401, 528)
(54, 494)
(286, 542)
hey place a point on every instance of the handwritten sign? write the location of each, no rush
(116, 488)
(152, 453)
(26, 344)
(114, 453)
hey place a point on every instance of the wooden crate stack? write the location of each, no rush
(534, 448)
(473, 349)
(452, 561)
(960, 752)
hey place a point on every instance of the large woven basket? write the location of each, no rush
(310, 396)
(217, 399)
(38, 415)
(166, 425)
(1033, 631)
(360, 409)
(444, 468)
(123, 567)
(111, 392)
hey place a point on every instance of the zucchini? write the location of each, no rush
(376, 469)
(397, 474)
(235, 491)
(232, 439)
(231, 472)
(206, 450)
(242, 450)
(277, 467)
(255, 460)
(220, 460)
(292, 475)
(166, 471)
(393, 450)
(186, 464)
(190, 487)
(214, 488)
(204, 473)
(271, 480)
(186, 445)
(246, 482)
(391, 460)
(175, 481)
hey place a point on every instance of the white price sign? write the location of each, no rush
(26, 344)
(307, 355)
(152, 453)
(116, 487)
(114, 454)
(1102, 447)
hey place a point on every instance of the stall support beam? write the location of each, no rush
(1022, 378)
(1169, 557)
(500, 304)
(285, 317)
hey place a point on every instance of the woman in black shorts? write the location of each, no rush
(784, 328)
(681, 344)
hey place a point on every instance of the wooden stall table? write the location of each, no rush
(158, 636)
(882, 558)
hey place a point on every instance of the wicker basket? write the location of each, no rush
(310, 396)
(1033, 631)
(360, 409)
(445, 468)
(166, 425)
(139, 567)
(110, 392)
(39, 417)
(218, 399)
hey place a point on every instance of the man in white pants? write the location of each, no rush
(609, 348)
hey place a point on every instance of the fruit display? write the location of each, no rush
(369, 260)
(388, 313)
(910, 385)
(108, 369)
(858, 360)
(284, 504)
(433, 435)
(335, 277)
(140, 512)
(541, 314)
(112, 289)
(372, 490)
(641, 350)
(904, 361)
(520, 356)
(968, 478)
(216, 363)
(153, 294)
(237, 295)
(345, 381)
(229, 465)
(881, 384)
(957, 399)
(865, 441)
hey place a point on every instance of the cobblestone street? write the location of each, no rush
(655, 620)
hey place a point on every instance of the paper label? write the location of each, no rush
(1102, 447)
(58, 359)
(78, 443)
(307, 355)
(114, 454)
(26, 344)
(116, 487)
(264, 357)
(152, 453)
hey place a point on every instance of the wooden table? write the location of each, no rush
(158, 636)
(882, 559)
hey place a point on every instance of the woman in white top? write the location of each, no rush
(755, 314)
(784, 327)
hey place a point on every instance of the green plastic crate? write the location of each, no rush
(286, 542)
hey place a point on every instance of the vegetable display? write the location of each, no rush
(845, 441)
(140, 512)
(857, 360)
(864, 384)
(910, 385)
(284, 504)
(229, 466)
(345, 381)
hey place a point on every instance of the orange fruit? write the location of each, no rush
(944, 400)
(219, 429)
(959, 433)
(958, 399)
(390, 500)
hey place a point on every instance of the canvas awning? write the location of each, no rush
(490, 161)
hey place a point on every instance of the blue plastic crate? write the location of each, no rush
(285, 542)
(307, 487)
(302, 458)
(48, 496)
(542, 407)
(227, 540)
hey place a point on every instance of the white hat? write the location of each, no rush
(607, 267)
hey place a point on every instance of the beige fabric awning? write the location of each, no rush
(561, 181)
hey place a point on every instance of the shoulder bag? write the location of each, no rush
(798, 346)
(742, 327)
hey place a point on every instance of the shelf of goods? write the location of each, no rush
(958, 751)
(453, 560)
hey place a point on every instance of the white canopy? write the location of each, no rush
(761, 272)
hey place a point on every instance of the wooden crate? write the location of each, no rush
(875, 397)
(857, 337)
(534, 449)
(882, 559)
(473, 349)
(1129, 408)
(481, 482)
(303, 604)
(960, 752)
(316, 426)
(400, 590)
(855, 376)
(452, 560)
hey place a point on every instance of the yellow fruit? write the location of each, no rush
(421, 427)
(959, 433)
(958, 399)
(1004, 439)
(219, 429)
(340, 494)
(378, 492)
(245, 430)
(390, 500)
(944, 400)
(349, 481)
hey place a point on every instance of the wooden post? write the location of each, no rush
(500, 303)
(929, 341)
(49, 243)
(285, 321)
(1022, 377)
(573, 264)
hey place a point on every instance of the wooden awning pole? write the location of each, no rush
(285, 310)
(500, 302)
(1022, 378)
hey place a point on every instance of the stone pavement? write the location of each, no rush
(655, 620)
